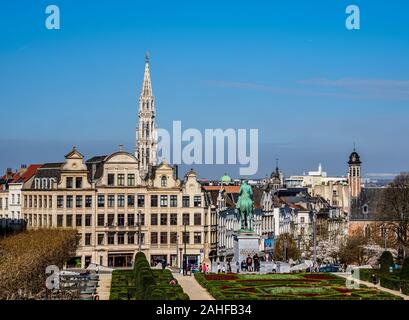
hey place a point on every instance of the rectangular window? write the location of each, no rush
(111, 219)
(111, 238)
(197, 201)
(131, 200)
(101, 220)
(173, 200)
(60, 218)
(68, 220)
(131, 179)
(121, 220)
(88, 218)
(163, 237)
(198, 237)
(186, 219)
(45, 202)
(88, 201)
(87, 239)
(173, 237)
(154, 201)
(111, 179)
(111, 201)
(121, 238)
(121, 200)
(163, 219)
(131, 219)
(141, 200)
(163, 201)
(50, 201)
(78, 220)
(197, 219)
(69, 202)
(78, 182)
(69, 182)
(154, 219)
(142, 217)
(173, 219)
(186, 237)
(154, 238)
(186, 201)
(78, 201)
(101, 201)
(142, 238)
(60, 201)
(101, 238)
(131, 237)
(121, 179)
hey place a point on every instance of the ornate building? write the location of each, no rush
(121, 203)
(146, 143)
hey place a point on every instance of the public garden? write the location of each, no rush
(298, 286)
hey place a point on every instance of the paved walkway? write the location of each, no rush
(193, 289)
(104, 286)
(371, 285)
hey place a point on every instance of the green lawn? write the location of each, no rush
(300, 286)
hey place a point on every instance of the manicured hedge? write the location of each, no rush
(144, 283)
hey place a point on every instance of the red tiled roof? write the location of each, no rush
(228, 189)
(26, 174)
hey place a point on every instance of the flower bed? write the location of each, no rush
(300, 286)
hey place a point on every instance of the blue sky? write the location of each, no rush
(289, 68)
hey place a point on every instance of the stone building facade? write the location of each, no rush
(121, 203)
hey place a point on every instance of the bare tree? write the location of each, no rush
(393, 212)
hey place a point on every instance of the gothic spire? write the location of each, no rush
(147, 85)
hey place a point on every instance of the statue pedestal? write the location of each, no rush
(245, 243)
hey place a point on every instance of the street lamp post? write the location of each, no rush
(139, 232)
(177, 250)
(314, 221)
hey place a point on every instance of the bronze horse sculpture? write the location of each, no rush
(245, 206)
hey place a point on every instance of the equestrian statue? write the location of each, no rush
(245, 206)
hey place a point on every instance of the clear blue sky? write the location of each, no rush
(289, 68)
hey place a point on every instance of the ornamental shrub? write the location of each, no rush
(386, 261)
(404, 274)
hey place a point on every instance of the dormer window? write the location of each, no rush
(163, 182)
(69, 182)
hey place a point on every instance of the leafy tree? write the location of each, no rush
(353, 250)
(286, 248)
(393, 211)
(404, 274)
(386, 261)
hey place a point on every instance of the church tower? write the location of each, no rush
(146, 144)
(354, 174)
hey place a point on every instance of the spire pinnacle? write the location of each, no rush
(147, 85)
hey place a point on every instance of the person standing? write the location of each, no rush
(256, 260)
(238, 266)
(218, 267)
(203, 268)
(228, 267)
(249, 263)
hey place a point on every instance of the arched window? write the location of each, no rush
(367, 231)
(163, 181)
(365, 209)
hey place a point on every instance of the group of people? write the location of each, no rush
(251, 264)
(223, 269)
(204, 268)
